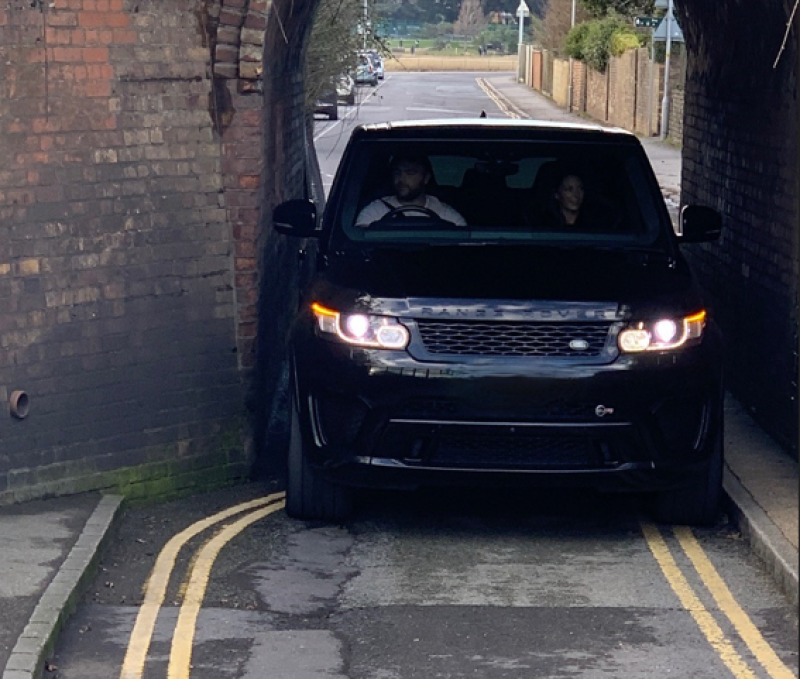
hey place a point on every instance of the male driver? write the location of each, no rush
(410, 178)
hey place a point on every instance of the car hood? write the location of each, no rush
(490, 272)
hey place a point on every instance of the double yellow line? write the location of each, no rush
(183, 636)
(497, 99)
(726, 602)
(156, 587)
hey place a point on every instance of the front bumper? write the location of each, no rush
(382, 418)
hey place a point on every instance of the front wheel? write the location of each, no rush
(697, 504)
(308, 495)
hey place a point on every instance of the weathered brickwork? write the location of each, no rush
(740, 155)
(136, 251)
(675, 130)
(116, 301)
(597, 94)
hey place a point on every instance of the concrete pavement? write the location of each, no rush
(51, 547)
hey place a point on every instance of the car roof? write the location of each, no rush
(496, 128)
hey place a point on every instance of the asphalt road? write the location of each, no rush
(450, 584)
(445, 584)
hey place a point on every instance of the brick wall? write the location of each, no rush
(597, 95)
(579, 75)
(115, 280)
(675, 123)
(134, 237)
(740, 150)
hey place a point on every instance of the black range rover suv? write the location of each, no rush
(513, 349)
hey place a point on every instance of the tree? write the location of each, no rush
(557, 18)
(627, 8)
(419, 11)
(537, 7)
(470, 19)
(596, 40)
(557, 23)
(332, 45)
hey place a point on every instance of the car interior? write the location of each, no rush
(508, 191)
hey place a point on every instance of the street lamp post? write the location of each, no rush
(665, 100)
(366, 18)
(569, 87)
(522, 11)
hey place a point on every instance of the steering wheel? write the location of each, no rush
(411, 211)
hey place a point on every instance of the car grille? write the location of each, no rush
(490, 338)
(515, 452)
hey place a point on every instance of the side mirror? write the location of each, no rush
(699, 224)
(296, 218)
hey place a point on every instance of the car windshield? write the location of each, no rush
(499, 191)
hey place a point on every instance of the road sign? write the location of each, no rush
(646, 22)
(660, 34)
(523, 10)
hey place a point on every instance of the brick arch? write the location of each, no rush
(257, 48)
(255, 105)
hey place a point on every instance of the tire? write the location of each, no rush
(351, 100)
(699, 503)
(333, 115)
(308, 495)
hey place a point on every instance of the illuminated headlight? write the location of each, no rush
(663, 334)
(364, 330)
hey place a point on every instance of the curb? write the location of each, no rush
(766, 541)
(58, 602)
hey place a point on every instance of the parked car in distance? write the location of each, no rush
(327, 103)
(522, 348)
(377, 62)
(346, 89)
(365, 70)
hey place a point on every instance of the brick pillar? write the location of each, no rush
(237, 33)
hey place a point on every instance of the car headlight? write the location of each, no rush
(363, 330)
(663, 334)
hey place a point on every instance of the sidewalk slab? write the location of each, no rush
(54, 549)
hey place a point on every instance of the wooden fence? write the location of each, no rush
(628, 94)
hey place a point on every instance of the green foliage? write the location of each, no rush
(626, 8)
(419, 11)
(576, 40)
(595, 41)
(622, 41)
